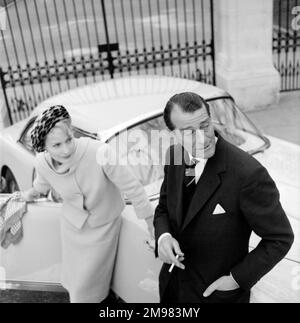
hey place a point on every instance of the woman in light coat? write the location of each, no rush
(85, 173)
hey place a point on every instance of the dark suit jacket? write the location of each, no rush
(215, 245)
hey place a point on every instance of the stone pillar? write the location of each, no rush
(243, 43)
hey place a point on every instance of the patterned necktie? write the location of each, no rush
(190, 173)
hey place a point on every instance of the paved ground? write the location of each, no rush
(16, 296)
(281, 120)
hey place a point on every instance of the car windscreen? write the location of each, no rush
(236, 127)
(143, 146)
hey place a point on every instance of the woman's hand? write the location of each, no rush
(30, 195)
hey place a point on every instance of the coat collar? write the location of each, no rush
(68, 168)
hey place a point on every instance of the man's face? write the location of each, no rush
(194, 131)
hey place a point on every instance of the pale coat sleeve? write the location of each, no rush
(124, 179)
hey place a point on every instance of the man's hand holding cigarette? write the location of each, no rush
(169, 252)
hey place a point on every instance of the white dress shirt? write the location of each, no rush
(201, 162)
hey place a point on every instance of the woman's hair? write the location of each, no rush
(64, 125)
(45, 122)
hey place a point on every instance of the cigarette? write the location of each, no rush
(172, 266)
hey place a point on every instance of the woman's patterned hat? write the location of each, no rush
(44, 123)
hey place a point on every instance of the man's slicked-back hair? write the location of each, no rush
(188, 102)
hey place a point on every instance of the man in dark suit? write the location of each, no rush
(212, 197)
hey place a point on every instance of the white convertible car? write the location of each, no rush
(104, 111)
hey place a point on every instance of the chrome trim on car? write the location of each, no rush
(24, 131)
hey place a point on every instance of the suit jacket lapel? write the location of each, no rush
(208, 182)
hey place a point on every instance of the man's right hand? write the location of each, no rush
(168, 248)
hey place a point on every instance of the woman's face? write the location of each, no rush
(60, 143)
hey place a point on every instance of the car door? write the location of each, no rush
(34, 263)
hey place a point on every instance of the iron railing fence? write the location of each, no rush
(286, 43)
(55, 45)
